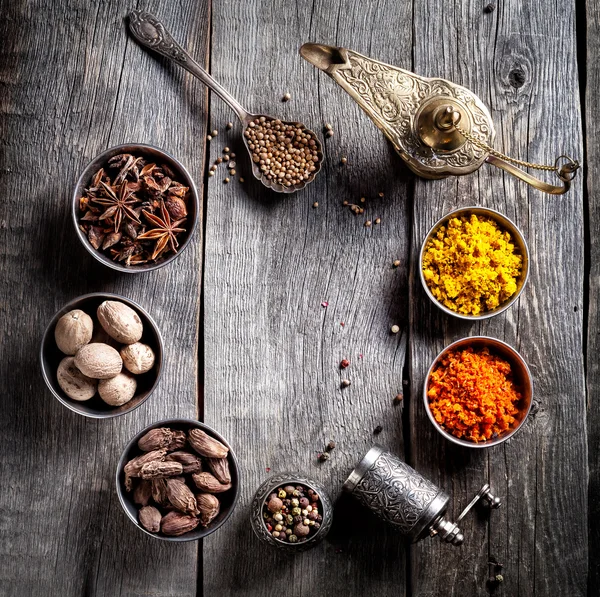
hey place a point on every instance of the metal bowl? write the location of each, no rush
(228, 499)
(520, 246)
(51, 356)
(521, 374)
(155, 154)
(260, 497)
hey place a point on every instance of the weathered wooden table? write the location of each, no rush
(249, 348)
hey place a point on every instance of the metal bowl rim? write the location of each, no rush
(173, 422)
(103, 156)
(54, 320)
(501, 219)
(528, 381)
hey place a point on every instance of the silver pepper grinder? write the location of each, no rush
(405, 499)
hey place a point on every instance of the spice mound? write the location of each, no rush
(134, 211)
(292, 513)
(177, 479)
(472, 394)
(471, 266)
(285, 152)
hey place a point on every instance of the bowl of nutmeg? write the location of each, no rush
(101, 355)
(178, 480)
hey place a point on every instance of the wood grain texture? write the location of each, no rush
(73, 84)
(272, 377)
(520, 59)
(592, 133)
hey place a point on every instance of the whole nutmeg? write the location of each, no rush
(73, 382)
(99, 361)
(73, 330)
(118, 389)
(120, 321)
(137, 358)
(176, 208)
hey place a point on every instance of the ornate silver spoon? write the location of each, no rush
(150, 32)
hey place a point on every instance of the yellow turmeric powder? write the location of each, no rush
(470, 265)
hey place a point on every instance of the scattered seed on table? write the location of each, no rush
(229, 126)
(368, 224)
(377, 220)
(345, 363)
(208, 137)
(231, 164)
(381, 194)
(213, 168)
(345, 383)
(489, 8)
(241, 179)
(232, 155)
(344, 160)
(226, 157)
(316, 204)
(329, 134)
(323, 457)
(232, 172)
(377, 430)
(219, 161)
(395, 329)
(344, 203)
(328, 127)
(215, 133)
(286, 97)
(225, 149)
(330, 446)
(499, 578)
(324, 304)
(398, 398)
(211, 173)
(363, 199)
(226, 180)
(361, 210)
(396, 263)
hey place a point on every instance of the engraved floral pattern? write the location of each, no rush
(150, 31)
(391, 97)
(395, 492)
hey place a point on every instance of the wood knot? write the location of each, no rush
(516, 77)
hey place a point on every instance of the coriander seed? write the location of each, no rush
(286, 97)
(225, 149)
(215, 133)
(226, 180)
(380, 194)
(328, 127)
(229, 126)
(362, 199)
(344, 203)
(395, 329)
(241, 179)
(398, 398)
(329, 133)
(345, 383)
(397, 263)
(211, 173)
(344, 160)
(208, 137)
(368, 224)
(316, 204)
(232, 172)
(323, 457)
(330, 446)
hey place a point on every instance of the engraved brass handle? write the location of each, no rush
(566, 173)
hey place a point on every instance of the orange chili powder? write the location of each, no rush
(472, 394)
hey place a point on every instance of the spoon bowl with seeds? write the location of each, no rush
(285, 156)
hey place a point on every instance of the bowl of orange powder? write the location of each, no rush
(478, 392)
(474, 263)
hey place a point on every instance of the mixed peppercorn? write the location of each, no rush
(292, 513)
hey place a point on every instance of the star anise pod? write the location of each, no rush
(163, 233)
(118, 206)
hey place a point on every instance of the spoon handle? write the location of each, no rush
(150, 32)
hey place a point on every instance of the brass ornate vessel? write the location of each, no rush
(439, 128)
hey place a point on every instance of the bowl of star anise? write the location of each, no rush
(135, 208)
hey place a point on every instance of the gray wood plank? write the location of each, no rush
(592, 130)
(72, 85)
(520, 59)
(272, 378)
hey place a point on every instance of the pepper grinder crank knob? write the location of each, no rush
(405, 499)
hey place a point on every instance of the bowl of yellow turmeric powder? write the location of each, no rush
(474, 263)
(478, 392)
